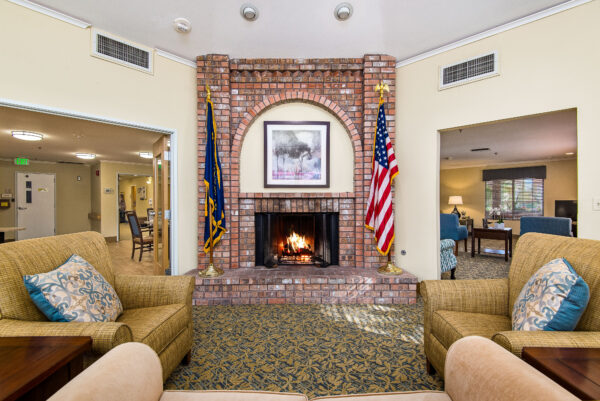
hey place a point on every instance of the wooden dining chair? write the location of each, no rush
(137, 235)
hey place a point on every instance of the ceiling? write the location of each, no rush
(298, 29)
(540, 137)
(64, 136)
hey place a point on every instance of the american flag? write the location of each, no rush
(380, 213)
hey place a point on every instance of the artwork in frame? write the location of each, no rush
(296, 154)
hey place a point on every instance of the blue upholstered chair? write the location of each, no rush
(546, 225)
(447, 258)
(450, 229)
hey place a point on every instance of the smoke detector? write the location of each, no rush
(182, 25)
(249, 12)
(343, 11)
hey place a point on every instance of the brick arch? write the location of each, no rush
(288, 97)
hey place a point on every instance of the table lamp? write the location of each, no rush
(455, 200)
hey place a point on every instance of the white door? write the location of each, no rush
(35, 205)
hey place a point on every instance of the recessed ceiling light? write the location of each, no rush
(27, 136)
(182, 25)
(343, 11)
(570, 153)
(87, 156)
(249, 12)
(146, 155)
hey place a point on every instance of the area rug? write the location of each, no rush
(316, 350)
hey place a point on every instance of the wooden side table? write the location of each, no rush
(576, 369)
(468, 223)
(504, 234)
(34, 368)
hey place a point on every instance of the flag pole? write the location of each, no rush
(389, 267)
(211, 270)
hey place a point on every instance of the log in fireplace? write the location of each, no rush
(297, 239)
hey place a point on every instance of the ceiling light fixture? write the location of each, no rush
(182, 25)
(343, 11)
(27, 136)
(570, 153)
(146, 155)
(249, 12)
(87, 156)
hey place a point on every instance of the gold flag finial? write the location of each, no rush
(207, 93)
(381, 87)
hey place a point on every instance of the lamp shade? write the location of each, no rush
(455, 200)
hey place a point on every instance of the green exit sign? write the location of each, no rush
(21, 161)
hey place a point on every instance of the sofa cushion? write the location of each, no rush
(450, 326)
(74, 292)
(230, 395)
(400, 396)
(156, 326)
(553, 299)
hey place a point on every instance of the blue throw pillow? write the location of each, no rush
(553, 299)
(74, 292)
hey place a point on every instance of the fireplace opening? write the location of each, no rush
(297, 239)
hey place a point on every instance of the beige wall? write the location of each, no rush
(141, 205)
(560, 183)
(110, 201)
(73, 198)
(341, 151)
(67, 77)
(547, 65)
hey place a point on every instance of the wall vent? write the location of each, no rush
(470, 70)
(119, 51)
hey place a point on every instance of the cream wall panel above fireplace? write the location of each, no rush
(341, 153)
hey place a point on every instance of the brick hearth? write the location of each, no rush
(305, 285)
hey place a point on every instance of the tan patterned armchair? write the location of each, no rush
(157, 309)
(460, 308)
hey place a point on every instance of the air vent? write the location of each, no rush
(114, 49)
(479, 149)
(469, 70)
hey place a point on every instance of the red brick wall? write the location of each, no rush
(241, 89)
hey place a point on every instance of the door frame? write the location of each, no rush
(17, 199)
(130, 124)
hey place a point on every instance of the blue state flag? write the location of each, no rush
(215, 199)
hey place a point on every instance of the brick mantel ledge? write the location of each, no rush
(279, 195)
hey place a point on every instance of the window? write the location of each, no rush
(515, 197)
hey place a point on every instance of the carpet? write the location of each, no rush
(482, 266)
(316, 350)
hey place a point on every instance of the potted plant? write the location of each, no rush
(496, 214)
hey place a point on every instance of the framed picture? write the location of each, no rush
(296, 154)
(141, 193)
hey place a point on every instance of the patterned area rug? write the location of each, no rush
(316, 350)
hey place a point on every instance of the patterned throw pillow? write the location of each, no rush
(74, 292)
(553, 299)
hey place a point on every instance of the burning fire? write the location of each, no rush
(296, 243)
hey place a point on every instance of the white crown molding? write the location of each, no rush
(494, 31)
(52, 13)
(176, 58)
(556, 159)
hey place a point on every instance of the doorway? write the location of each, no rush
(136, 193)
(36, 205)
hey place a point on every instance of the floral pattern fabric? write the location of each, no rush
(553, 299)
(74, 292)
(447, 258)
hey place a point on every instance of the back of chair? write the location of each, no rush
(134, 224)
(546, 225)
(448, 225)
(534, 250)
(41, 255)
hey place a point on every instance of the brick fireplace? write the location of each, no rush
(241, 90)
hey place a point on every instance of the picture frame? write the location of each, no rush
(296, 154)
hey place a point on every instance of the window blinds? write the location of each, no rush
(515, 197)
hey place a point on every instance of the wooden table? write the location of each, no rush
(576, 369)
(504, 234)
(34, 368)
(8, 230)
(468, 223)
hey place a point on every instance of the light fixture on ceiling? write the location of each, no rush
(249, 12)
(27, 136)
(570, 153)
(146, 155)
(149, 180)
(343, 11)
(87, 156)
(182, 25)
